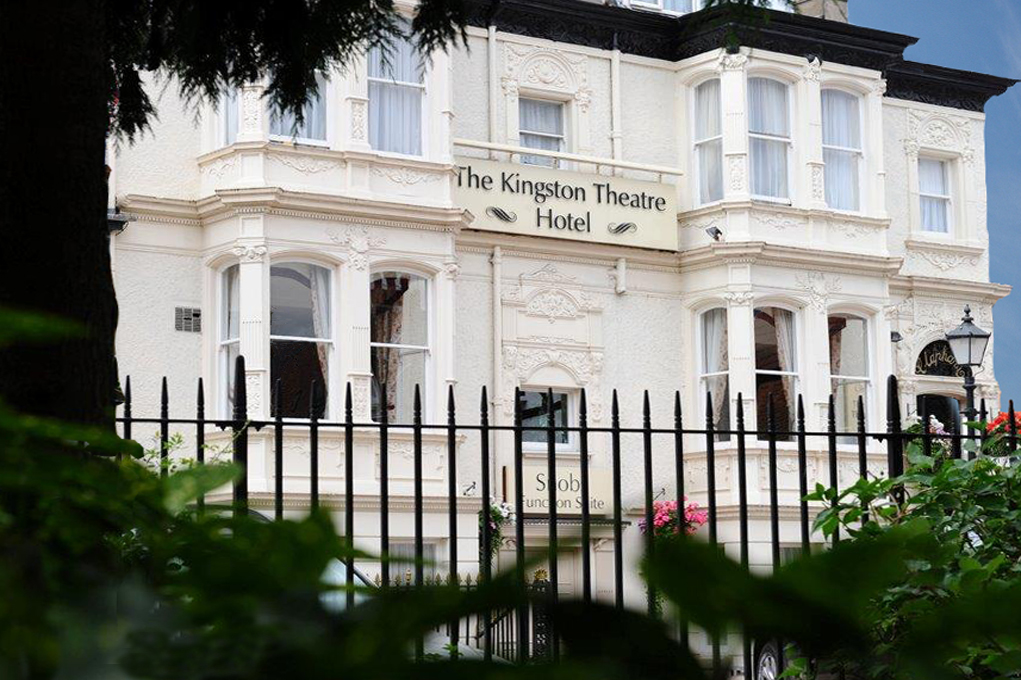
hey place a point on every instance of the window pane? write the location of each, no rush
(395, 118)
(707, 110)
(231, 302)
(395, 372)
(296, 364)
(845, 401)
(401, 63)
(229, 114)
(314, 124)
(780, 390)
(710, 171)
(769, 167)
(841, 179)
(299, 300)
(540, 142)
(932, 177)
(767, 107)
(399, 308)
(677, 5)
(775, 340)
(848, 346)
(935, 214)
(841, 122)
(536, 115)
(714, 341)
(228, 357)
(719, 387)
(535, 413)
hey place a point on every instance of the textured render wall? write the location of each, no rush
(471, 90)
(896, 163)
(149, 286)
(600, 108)
(161, 162)
(650, 119)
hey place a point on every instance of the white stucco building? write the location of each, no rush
(761, 221)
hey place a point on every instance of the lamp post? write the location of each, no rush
(968, 343)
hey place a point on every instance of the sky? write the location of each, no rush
(982, 36)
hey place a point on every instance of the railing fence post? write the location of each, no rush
(349, 491)
(618, 550)
(831, 441)
(200, 436)
(650, 527)
(894, 443)
(278, 453)
(487, 530)
(384, 488)
(586, 513)
(452, 503)
(239, 429)
(164, 429)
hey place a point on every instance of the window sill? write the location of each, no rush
(920, 240)
(298, 142)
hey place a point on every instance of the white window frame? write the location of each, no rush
(696, 143)
(571, 445)
(429, 329)
(324, 85)
(796, 373)
(329, 342)
(948, 171)
(553, 162)
(658, 5)
(223, 120)
(224, 367)
(867, 378)
(423, 109)
(703, 378)
(789, 141)
(860, 152)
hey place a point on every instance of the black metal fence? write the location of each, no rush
(525, 634)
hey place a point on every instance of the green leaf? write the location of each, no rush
(189, 485)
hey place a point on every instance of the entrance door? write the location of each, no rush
(946, 410)
(568, 569)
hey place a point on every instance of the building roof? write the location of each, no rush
(668, 37)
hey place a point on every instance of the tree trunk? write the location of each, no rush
(54, 251)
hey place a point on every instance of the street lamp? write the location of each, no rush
(968, 343)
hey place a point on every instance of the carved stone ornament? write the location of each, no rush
(781, 222)
(939, 131)
(251, 110)
(945, 260)
(853, 229)
(359, 240)
(405, 176)
(548, 273)
(736, 172)
(221, 166)
(545, 69)
(818, 183)
(358, 118)
(249, 253)
(306, 165)
(584, 364)
(740, 298)
(732, 62)
(553, 304)
(818, 287)
(813, 70)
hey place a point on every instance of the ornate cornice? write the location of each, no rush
(662, 36)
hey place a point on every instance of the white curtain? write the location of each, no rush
(841, 128)
(677, 5)
(319, 284)
(932, 180)
(785, 339)
(541, 126)
(229, 109)
(230, 327)
(395, 98)
(714, 341)
(708, 128)
(314, 124)
(768, 114)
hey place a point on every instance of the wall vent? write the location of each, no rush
(188, 319)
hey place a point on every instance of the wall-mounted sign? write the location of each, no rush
(535, 494)
(539, 201)
(938, 359)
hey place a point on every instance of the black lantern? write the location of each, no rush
(968, 342)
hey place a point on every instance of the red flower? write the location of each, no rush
(1000, 424)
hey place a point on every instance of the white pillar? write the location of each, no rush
(811, 190)
(735, 126)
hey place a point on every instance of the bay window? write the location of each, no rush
(776, 377)
(714, 376)
(934, 194)
(841, 148)
(300, 339)
(849, 367)
(230, 335)
(399, 342)
(535, 408)
(313, 125)
(541, 126)
(769, 133)
(396, 92)
(709, 141)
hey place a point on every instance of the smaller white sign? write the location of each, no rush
(535, 485)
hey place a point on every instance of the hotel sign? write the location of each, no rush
(535, 495)
(539, 201)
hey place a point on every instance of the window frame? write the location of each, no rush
(860, 152)
(571, 420)
(795, 374)
(423, 108)
(867, 378)
(703, 377)
(658, 5)
(225, 369)
(948, 177)
(324, 86)
(788, 141)
(696, 143)
(223, 119)
(330, 341)
(554, 163)
(424, 389)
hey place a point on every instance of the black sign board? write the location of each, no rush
(938, 359)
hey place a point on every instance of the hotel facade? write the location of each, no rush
(583, 197)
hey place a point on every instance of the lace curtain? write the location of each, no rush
(715, 361)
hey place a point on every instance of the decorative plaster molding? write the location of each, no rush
(736, 172)
(879, 87)
(549, 274)
(249, 253)
(585, 364)
(854, 229)
(358, 121)
(545, 68)
(359, 240)
(739, 298)
(221, 166)
(938, 131)
(818, 183)
(731, 62)
(813, 70)
(819, 287)
(780, 222)
(945, 260)
(251, 110)
(553, 304)
(403, 175)
(306, 165)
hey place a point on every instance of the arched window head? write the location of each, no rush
(300, 337)
(399, 343)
